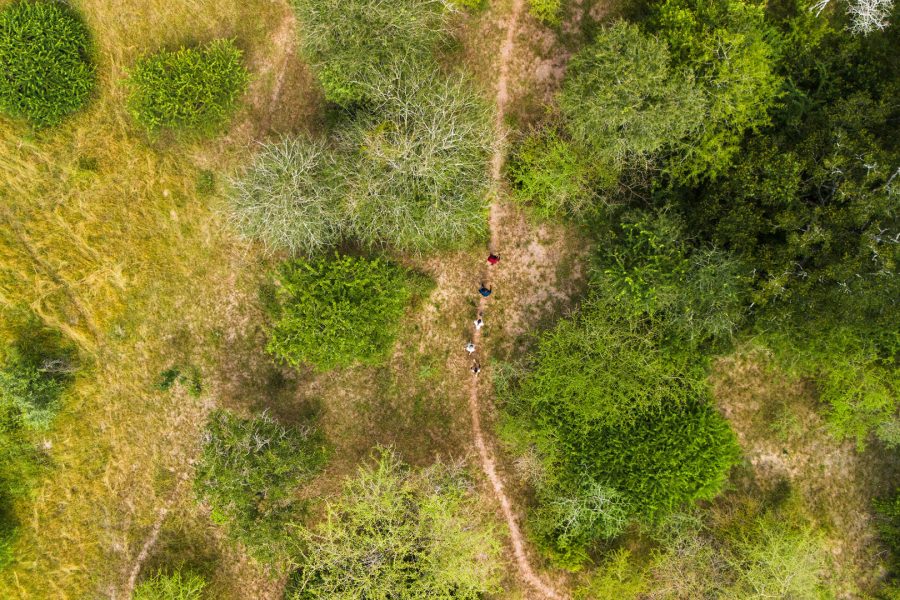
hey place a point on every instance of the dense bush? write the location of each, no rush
(291, 197)
(397, 533)
(352, 44)
(548, 11)
(249, 472)
(189, 89)
(337, 311)
(592, 369)
(647, 266)
(45, 67)
(618, 421)
(176, 586)
(419, 178)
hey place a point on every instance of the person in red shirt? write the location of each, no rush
(493, 259)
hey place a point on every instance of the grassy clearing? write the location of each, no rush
(789, 449)
(110, 239)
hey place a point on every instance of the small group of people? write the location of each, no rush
(485, 291)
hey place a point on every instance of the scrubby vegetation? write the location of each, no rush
(697, 315)
(189, 89)
(337, 311)
(291, 196)
(353, 44)
(178, 585)
(249, 472)
(407, 172)
(45, 58)
(398, 533)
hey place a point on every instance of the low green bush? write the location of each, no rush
(551, 176)
(248, 472)
(176, 586)
(35, 369)
(334, 312)
(547, 11)
(189, 89)
(45, 68)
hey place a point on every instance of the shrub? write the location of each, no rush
(774, 559)
(616, 578)
(420, 174)
(336, 311)
(177, 586)
(35, 370)
(551, 175)
(249, 471)
(547, 11)
(291, 196)
(45, 68)
(352, 44)
(622, 97)
(571, 522)
(396, 533)
(190, 89)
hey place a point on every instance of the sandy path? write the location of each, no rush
(488, 464)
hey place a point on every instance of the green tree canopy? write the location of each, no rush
(622, 95)
(45, 61)
(729, 47)
(400, 533)
(336, 311)
(249, 473)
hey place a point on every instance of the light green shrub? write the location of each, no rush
(292, 196)
(420, 174)
(45, 61)
(399, 533)
(547, 11)
(176, 586)
(552, 176)
(353, 44)
(189, 89)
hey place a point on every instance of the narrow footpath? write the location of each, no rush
(488, 464)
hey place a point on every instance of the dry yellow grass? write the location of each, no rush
(105, 236)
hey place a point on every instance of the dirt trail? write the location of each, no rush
(488, 464)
